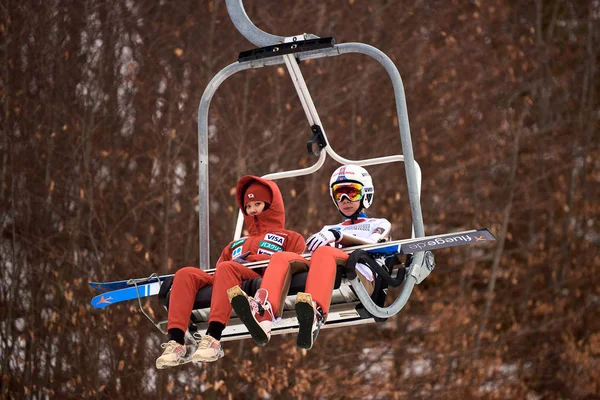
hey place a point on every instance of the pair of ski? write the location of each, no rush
(119, 291)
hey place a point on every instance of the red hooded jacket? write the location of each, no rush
(267, 233)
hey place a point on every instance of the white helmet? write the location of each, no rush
(354, 173)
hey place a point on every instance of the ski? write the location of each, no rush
(104, 287)
(429, 243)
(129, 293)
(118, 291)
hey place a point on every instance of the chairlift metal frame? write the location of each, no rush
(344, 300)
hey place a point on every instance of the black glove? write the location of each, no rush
(241, 259)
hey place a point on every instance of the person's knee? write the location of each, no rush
(185, 272)
(323, 252)
(192, 276)
(227, 268)
(287, 261)
(205, 277)
(279, 259)
(284, 256)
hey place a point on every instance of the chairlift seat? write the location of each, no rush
(345, 309)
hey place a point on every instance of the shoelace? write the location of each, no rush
(319, 318)
(259, 308)
(169, 346)
(202, 344)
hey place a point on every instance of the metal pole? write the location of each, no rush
(203, 200)
(407, 150)
(242, 23)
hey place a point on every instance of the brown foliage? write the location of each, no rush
(98, 182)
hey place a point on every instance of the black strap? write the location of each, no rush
(362, 257)
(163, 293)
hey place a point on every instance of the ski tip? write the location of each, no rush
(97, 286)
(487, 235)
(102, 301)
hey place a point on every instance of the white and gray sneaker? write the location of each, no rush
(173, 355)
(310, 320)
(209, 349)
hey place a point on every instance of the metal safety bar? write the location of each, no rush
(412, 169)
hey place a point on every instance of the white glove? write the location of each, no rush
(322, 238)
(241, 259)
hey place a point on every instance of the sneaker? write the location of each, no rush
(173, 355)
(209, 349)
(255, 312)
(310, 320)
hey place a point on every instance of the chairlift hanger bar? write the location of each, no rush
(318, 140)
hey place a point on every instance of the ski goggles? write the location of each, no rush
(350, 190)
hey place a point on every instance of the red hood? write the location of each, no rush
(273, 218)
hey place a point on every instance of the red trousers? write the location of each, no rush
(189, 280)
(321, 275)
(278, 276)
(319, 283)
(277, 279)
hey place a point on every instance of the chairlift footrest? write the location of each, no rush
(286, 48)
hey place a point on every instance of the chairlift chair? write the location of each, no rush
(351, 304)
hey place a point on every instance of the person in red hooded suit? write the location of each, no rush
(264, 215)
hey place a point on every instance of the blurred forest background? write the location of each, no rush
(98, 181)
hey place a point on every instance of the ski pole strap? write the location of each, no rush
(156, 324)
